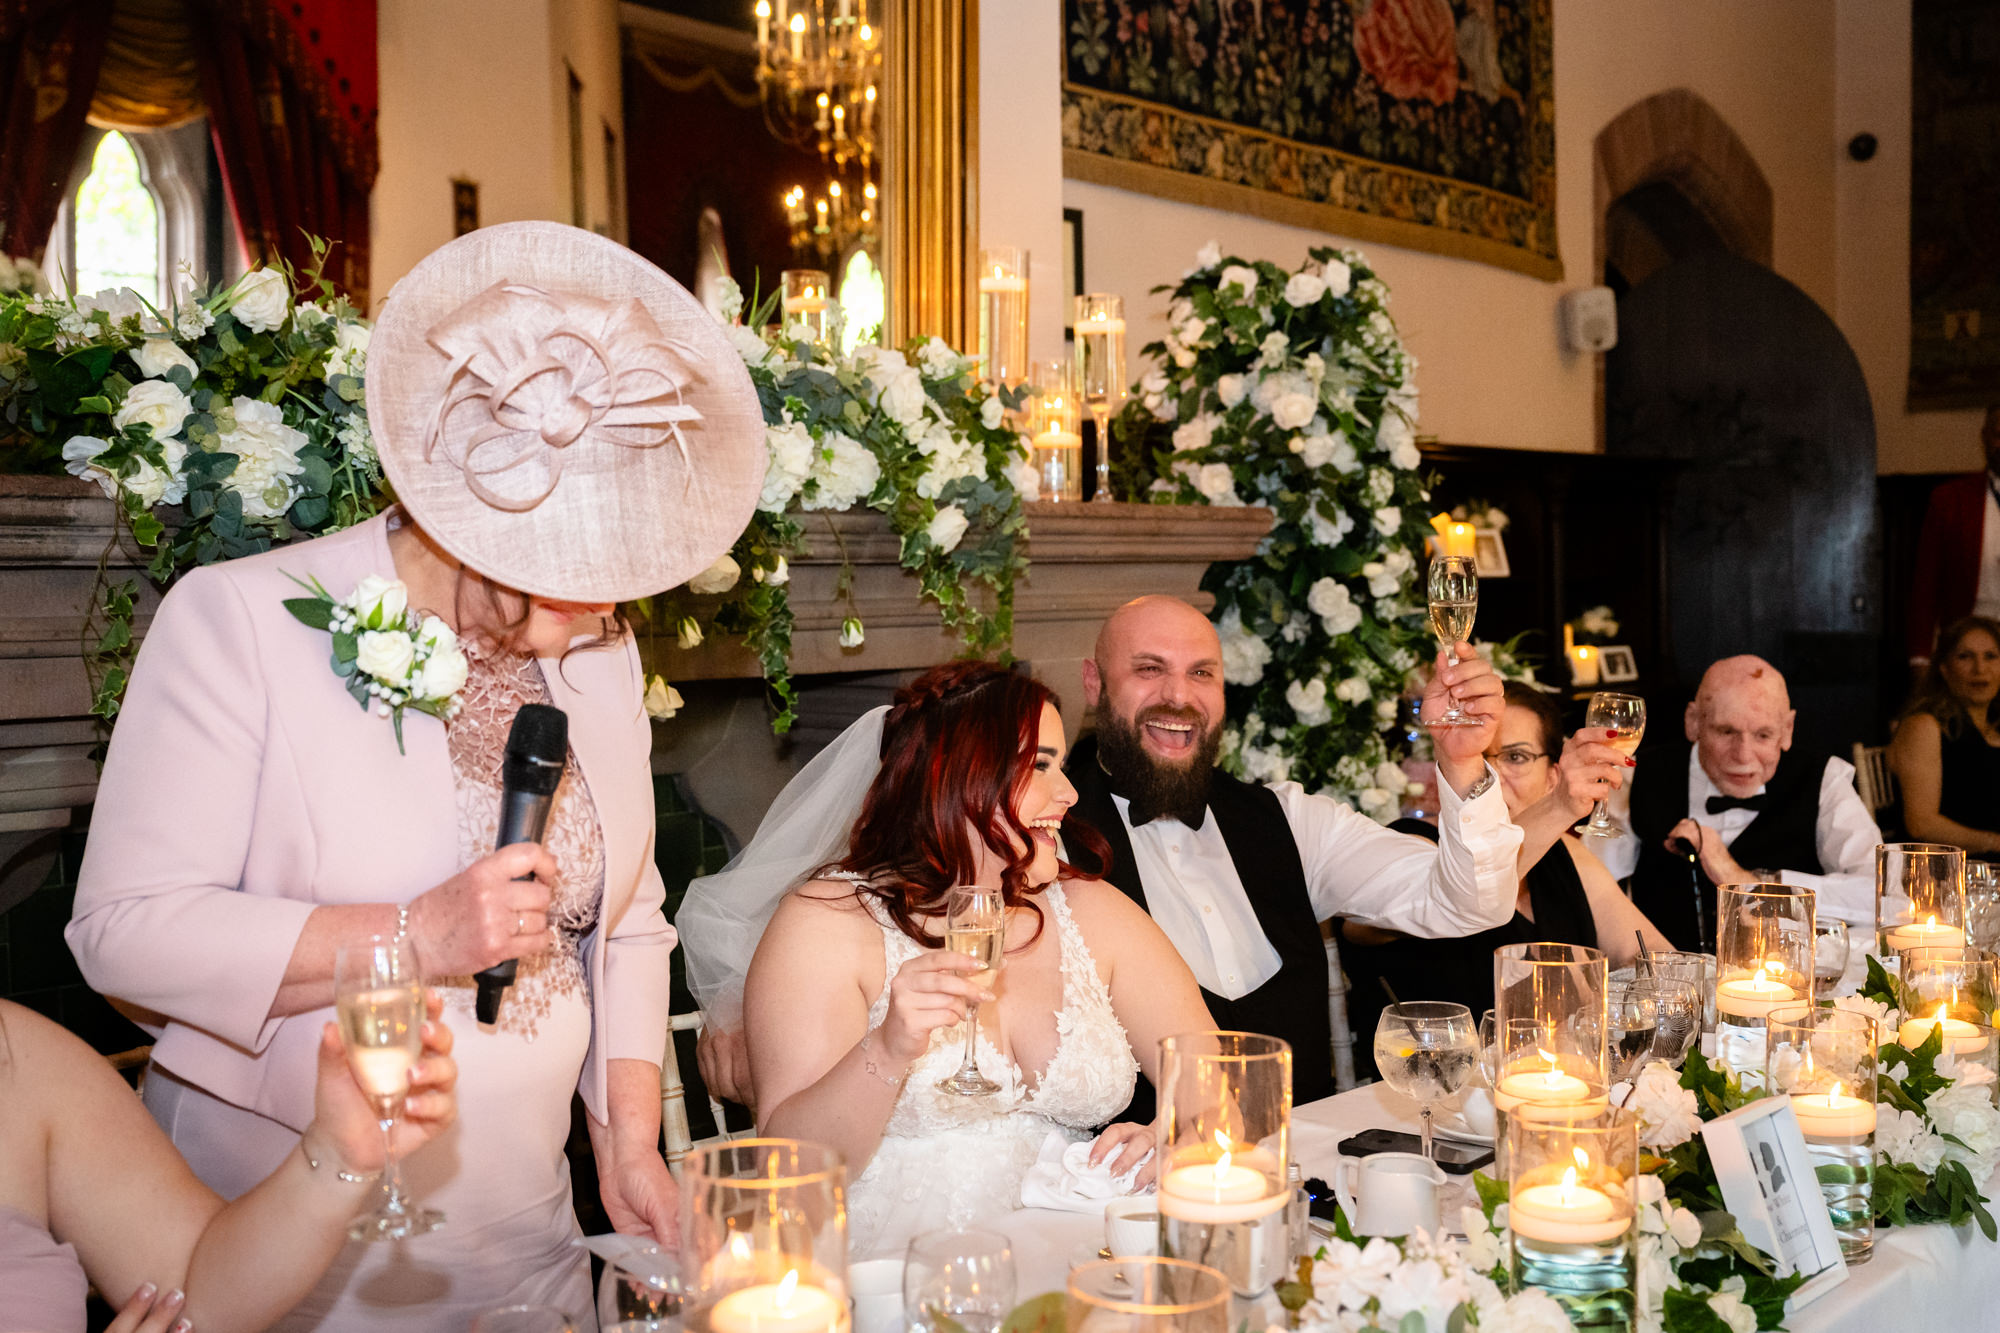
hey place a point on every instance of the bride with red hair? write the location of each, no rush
(854, 1011)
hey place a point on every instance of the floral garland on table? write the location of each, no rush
(912, 434)
(242, 405)
(1292, 390)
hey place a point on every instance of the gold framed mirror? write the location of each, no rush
(931, 169)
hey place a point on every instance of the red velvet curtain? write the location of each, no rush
(290, 87)
(50, 52)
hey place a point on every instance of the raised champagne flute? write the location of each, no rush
(378, 997)
(1426, 1049)
(1625, 716)
(1454, 602)
(975, 925)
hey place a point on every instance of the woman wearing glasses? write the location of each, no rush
(1567, 897)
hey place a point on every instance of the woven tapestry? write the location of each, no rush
(1421, 123)
(1954, 190)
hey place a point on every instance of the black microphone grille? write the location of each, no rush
(537, 747)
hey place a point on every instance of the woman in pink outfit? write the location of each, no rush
(565, 429)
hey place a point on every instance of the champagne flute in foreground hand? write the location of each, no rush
(378, 996)
(1625, 716)
(1425, 1049)
(976, 926)
(1454, 601)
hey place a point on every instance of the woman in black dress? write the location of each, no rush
(1946, 753)
(1567, 897)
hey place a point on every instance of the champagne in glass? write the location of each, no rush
(1426, 1050)
(378, 998)
(976, 926)
(1624, 714)
(1454, 602)
(1100, 372)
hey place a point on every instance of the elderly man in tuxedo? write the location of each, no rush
(1737, 803)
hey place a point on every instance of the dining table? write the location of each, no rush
(1934, 1278)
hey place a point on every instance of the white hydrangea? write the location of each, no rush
(1207, 257)
(1261, 765)
(1297, 625)
(1353, 690)
(1378, 803)
(1902, 1137)
(1329, 531)
(267, 457)
(899, 384)
(1399, 439)
(1379, 486)
(843, 472)
(1330, 600)
(1308, 701)
(749, 344)
(1244, 654)
(790, 453)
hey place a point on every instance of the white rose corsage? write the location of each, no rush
(390, 657)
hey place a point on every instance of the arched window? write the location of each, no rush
(142, 206)
(864, 299)
(117, 224)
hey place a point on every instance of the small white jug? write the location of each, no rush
(1397, 1193)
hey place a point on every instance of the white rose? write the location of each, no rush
(718, 577)
(939, 361)
(156, 356)
(1244, 655)
(1330, 600)
(992, 411)
(1023, 477)
(350, 350)
(662, 699)
(777, 576)
(749, 344)
(1196, 432)
(1668, 1113)
(1260, 765)
(1232, 389)
(443, 675)
(852, 635)
(1241, 277)
(155, 403)
(1389, 520)
(379, 603)
(1337, 276)
(145, 481)
(1353, 690)
(1217, 483)
(844, 471)
(78, 451)
(689, 632)
(947, 528)
(1318, 447)
(790, 449)
(1385, 710)
(1598, 620)
(1964, 1111)
(267, 457)
(1730, 1309)
(1208, 256)
(262, 300)
(1289, 400)
(385, 655)
(437, 636)
(1271, 352)
(1397, 437)
(1530, 1310)
(1308, 701)
(1304, 289)
(118, 303)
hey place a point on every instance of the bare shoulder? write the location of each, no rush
(44, 1066)
(1107, 918)
(1916, 735)
(826, 902)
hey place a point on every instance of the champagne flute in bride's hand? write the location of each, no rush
(378, 996)
(1454, 602)
(1624, 715)
(976, 926)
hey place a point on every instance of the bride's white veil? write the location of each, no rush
(724, 914)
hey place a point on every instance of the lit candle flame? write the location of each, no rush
(1939, 1019)
(1222, 1162)
(1582, 1158)
(786, 1286)
(1569, 1186)
(1554, 1064)
(1930, 922)
(1831, 1095)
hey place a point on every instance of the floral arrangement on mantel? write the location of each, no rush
(1293, 390)
(242, 405)
(911, 434)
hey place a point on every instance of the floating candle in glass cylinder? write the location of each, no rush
(1224, 1137)
(1570, 1211)
(805, 298)
(1146, 1296)
(1055, 431)
(1965, 981)
(1556, 992)
(1764, 959)
(764, 1238)
(1919, 896)
(1825, 1060)
(1003, 314)
(1756, 995)
(1960, 1036)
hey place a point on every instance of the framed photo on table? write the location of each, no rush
(1767, 1179)
(1615, 663)
(1489, 553)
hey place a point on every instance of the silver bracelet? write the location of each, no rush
(868, 1063)
(350, 1177)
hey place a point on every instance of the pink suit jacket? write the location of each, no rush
(244, 786)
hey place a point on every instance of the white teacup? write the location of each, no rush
(877, 1288)
(1132, 1226)
(1397, 1193)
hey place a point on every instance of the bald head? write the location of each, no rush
(1741, 723)
(1151, 620)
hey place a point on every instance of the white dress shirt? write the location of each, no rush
(1354, 867)
(1846, 837)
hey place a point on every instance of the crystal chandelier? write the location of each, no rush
(819, 67)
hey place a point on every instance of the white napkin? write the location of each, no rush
(1063, 1178)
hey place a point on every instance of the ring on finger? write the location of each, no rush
(520, 923)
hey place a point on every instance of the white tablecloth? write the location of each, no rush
(1933, 1279)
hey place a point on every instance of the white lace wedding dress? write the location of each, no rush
(947, 1160)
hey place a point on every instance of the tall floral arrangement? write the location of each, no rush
(240, 405)
(912, 434)
(1292, 389)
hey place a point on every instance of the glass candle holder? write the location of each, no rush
(1697, 969)
(1224, 1140)
(1100, 372)
(1938, 983)
(1571, 1211)
(806, 299)
(1560, 988)
(1919, 897)
(1763, 959)
(1146, 1296)
(764, 1238)
(1055, 431)
(1003, 314)
(1824, 1059)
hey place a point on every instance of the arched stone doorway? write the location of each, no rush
(1670, 179)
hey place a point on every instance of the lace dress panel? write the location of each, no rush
(496, 685)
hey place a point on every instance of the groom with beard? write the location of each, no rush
(1239, 875)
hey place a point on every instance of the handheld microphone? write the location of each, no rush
(537, 749)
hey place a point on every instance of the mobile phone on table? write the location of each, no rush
(1455, 1158)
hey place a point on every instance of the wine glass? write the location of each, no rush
(1100, 373)
(1632, 1018)
(976, 926)
(1680, 1018)
(378, 996)
(1982, 904)
(1425, 1049)
(958, 1281)
(1831, 944)
(1624, 714)
(1454, 601)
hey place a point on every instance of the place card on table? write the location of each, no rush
(1768, 1181)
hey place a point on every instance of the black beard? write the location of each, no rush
(1157, 789)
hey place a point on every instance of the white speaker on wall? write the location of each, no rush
(1589, 319)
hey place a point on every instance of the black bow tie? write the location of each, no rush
(1137, 812)
(1717, 804)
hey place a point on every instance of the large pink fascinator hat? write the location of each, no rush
(562, 416)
